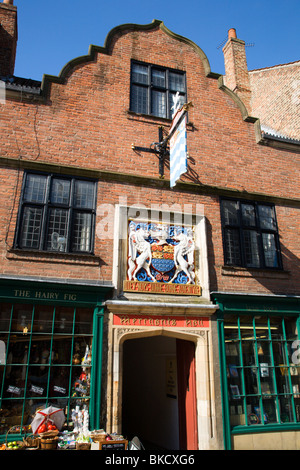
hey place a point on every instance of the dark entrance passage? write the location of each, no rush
(157, 392)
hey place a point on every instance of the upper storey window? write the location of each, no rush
(153, 89)
(56, 214)
(250, 234)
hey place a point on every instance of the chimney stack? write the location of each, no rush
(236, 69)
(8, 37)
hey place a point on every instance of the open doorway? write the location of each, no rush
(159, 392)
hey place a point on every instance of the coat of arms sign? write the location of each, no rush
(161, 254)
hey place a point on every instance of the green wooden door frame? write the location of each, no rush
(223, 382)
(240, 304)
(96, 376)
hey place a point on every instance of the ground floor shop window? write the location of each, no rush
(263, 370)
(45, 359)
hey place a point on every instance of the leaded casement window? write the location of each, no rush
(250, 234)
(262, 370)
(57, 213)
(153, 89)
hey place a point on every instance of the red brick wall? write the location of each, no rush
(86, 123)
(275, 98)
(8, 39)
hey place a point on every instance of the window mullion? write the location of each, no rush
(70, 216)
(242, 375)
(50, 356)
(241, 235)
(262, 420)
(71, 362)
(45, 217)
(28, 361)
(288, 371)
(149, 89)
(274, 372)
(6, 353)
(259, 230)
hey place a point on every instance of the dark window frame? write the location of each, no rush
(257, 229)
(47, 205)
(150, 87)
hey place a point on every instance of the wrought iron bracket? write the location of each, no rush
(158, 148)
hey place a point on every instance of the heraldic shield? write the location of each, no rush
(160, 253)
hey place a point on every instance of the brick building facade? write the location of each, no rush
(81, 181)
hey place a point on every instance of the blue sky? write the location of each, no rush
(53, 32)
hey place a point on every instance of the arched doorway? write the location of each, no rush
(159, 392)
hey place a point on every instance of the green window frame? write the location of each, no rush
(262, 370)
(49, 354)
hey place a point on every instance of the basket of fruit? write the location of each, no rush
(12, 444)
(48, 433)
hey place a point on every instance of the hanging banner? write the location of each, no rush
(178, 147)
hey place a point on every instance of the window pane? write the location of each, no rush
(3, 346)
(139, 99)
(237, 412)
(43, 318)
(62, 346)
(267, 217)
(60, 192)
(270, 251)
(286, 413)
(35, 188)
(84, 321)
(37, 381)
(140, 73)
(59, 385)
(57, 230)
(230, 212)
(158, 78)
(81, 239)
(248, 348)
(30, 227)
(248, 215)
(159, 103)
(251, 380)
(251, 248)
(176, 81)
(5, 313)
(84, 194)
(253, 411)
(22, 318)
(291, 330)
(270, 410)
(232, 247)
(64, 318)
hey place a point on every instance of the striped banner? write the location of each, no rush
(178, 147)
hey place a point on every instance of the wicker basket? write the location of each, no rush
(83, 445)
(48, 434)
(31, 442)
(49, 443)
(98, 437)
(20, 444)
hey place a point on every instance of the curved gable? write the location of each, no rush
(128, 27)
(108, 45)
